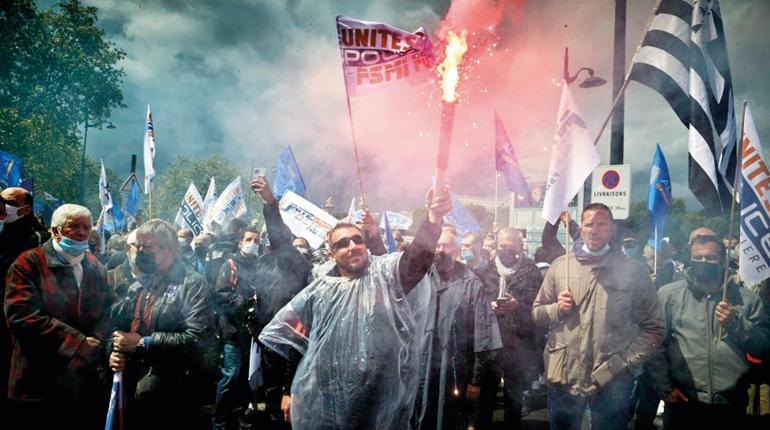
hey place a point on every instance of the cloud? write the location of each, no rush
(245, 78)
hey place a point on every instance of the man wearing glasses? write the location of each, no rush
(352, 336)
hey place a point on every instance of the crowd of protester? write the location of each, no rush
(252, 328)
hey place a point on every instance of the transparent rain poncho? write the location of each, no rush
(361, 342)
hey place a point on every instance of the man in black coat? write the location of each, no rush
(516, 279)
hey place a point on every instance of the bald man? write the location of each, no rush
(21, 231)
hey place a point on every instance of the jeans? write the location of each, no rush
(230, 389)
(610, 406)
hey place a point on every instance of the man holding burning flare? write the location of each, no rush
(359, 339)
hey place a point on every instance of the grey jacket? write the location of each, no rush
(690, 359)
(615, 326)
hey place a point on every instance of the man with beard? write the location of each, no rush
(702, 377)
(514, 279)
(604, 321)
(359, 339)
(464, 334)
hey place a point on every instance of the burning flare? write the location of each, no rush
(447, 70)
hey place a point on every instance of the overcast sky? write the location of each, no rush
(245, 78)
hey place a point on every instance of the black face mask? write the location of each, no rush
(444, 264)
(508, 256)
(145, 262)
(200, 251)
(706, 272)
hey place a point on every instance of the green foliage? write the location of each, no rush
(171, 183)
(56, 72)
(680, 224)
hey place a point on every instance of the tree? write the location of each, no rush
(171, 183)
(56, 73)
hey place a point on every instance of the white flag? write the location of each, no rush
(573, 158)
(149, 153)
(190, 211)
(104, 190)
(208, 202)
(351, 211)
(229, 205)
(754, 254)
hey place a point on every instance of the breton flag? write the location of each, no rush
(208, 202)
(190, 211)
(506, 161)
(573, 158)
(658, 199)
(229, 205)
(149, 153)
(377, 56)
(684, 58)
(754, 257)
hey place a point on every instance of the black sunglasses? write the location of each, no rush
(345, 242)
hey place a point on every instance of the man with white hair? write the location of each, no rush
(57, 305)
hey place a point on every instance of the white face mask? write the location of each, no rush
(250, 248)
(12, 213)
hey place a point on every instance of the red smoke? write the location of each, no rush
(508, 68)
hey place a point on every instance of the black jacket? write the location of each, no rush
(17, 237)
(276, 277)
(180, 331)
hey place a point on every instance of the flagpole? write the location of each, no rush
(355, 146)
(150, 203)
(655, 252)
(738, 153)
(566, 240)
(628, 75)
(497, 176)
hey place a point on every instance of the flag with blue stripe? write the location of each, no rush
(506, 161)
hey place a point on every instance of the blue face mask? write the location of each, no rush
(73, 247)
(2, 224)
(467, 255)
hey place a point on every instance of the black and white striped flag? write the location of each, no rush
(684, 57)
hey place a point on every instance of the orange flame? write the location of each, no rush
(448, 69)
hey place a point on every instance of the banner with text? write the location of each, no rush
(377, 56)
(305, 219)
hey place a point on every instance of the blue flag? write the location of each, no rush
(461, 219)
(118, 216)
(10, 170)
(29, 185)
(287, 175)
(134, 200)
(389, 241)
(117, 406)
(658, 199)
(506, 161)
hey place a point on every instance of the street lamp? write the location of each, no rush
(590, 82)
(86, 126)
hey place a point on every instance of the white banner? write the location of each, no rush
(397, 220)
(754, 256)
(305, 219)
(229, 205)
(191, 211)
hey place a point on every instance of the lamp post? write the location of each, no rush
(86, 126)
